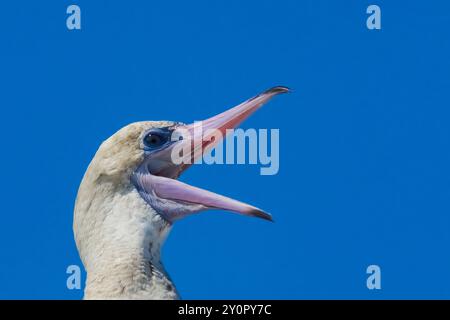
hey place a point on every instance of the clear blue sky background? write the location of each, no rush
(364, 163)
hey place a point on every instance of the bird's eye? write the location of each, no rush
(154, 140)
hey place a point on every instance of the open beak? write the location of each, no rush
(190, 142)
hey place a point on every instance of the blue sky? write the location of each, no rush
(364, 139)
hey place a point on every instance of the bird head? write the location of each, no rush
(135, 172)
(149, 156)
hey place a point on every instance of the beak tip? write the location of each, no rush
(262, 214)
(278, 90)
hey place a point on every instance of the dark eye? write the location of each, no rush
(154, 140)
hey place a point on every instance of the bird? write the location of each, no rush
(130, 197)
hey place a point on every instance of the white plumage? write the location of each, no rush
(118, 234)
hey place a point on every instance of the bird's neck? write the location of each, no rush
(128, 273)
(122, 257)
